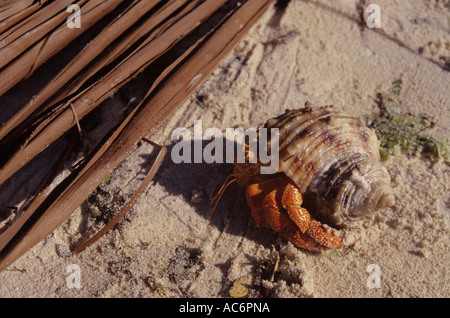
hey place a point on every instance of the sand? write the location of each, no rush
(312, 51)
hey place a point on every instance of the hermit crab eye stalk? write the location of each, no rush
(249, 153)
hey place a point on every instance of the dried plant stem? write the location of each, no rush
(20, 37)
(73, 179)
(129, 205)
(9, 8)
(33, 203)
(149, 28)
(17, 230)
(17, 11)
(46, 47)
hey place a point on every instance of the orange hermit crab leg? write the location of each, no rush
(300, 239)
(249, 154)
(218, 196)
(268, 212)
(277, 219)
(321, 235)
(254, 191)
(292, 201)
(257, 193)
(267, 200)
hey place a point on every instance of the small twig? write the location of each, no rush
(76, 119)
(15, 269)
(275, 269)
(151, 173)
(152, 143)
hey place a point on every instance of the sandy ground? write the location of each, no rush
(312, 51)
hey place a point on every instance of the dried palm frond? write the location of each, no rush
(168, 29)
(84, 102)
(117, 27)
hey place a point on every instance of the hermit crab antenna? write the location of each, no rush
(221, 190)
(217, 199)
(248, 154)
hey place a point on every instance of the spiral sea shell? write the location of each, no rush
(334, 160)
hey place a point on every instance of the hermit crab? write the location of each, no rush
(329, 162)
